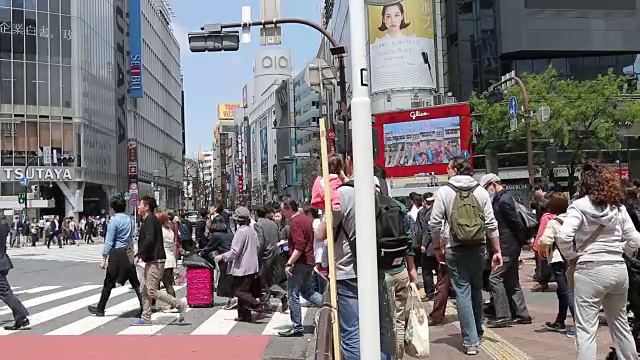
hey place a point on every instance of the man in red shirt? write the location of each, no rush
(299, 266)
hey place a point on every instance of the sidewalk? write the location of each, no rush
(517, 342)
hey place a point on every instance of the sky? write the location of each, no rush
(213, 78)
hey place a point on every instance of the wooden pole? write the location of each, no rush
(328, 218)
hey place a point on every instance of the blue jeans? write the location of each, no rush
(299, 284)
(350, 325)
(564, 294)
(318, 283)
(465, 269)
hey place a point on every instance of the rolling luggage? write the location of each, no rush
(200, 287)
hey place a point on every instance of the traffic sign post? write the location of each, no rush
(513, 108)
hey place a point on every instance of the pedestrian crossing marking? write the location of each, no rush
(92, 322)
(37, 290)
(53, 310)
(65, 309)
(159, 321)
(281, 321)
(51, 297)
(219, 323)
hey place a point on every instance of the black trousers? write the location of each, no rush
(50, 239)
(110, 283)
(430, 266)
(8, 297)
(247, 290)
(269, 278)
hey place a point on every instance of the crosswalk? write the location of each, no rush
(58, 310)
(85, 253)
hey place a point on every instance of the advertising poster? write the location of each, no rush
(264, 146)
(402, 46)
(135, 49)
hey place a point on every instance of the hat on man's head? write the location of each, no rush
(489, 178)
(241, 212)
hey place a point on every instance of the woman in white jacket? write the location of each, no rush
(596, 232)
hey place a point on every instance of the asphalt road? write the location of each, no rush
(57, 285)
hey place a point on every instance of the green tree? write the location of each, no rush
(585, 114)
(308, 168)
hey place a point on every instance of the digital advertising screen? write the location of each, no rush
(423, 141)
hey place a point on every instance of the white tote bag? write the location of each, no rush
(416, 336)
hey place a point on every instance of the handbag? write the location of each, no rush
(571, 267)
(416, 337)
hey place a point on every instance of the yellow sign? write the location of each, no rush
(402, 46)
(225, 110)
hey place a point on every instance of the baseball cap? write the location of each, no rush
(489, 178)
(241, 212)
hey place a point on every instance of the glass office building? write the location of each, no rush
(62, 66)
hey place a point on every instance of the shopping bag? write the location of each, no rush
(416, 336)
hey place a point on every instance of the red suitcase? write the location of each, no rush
(199, 287)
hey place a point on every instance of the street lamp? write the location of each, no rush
(495, 94)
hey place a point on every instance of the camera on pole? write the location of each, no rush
(213, 39)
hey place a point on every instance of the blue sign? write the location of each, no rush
(135, 49)
(513, 107)
(24, 181)
(134, 199)
(127, 196)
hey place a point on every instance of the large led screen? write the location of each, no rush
(422, 142)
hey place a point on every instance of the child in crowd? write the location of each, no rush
(336, 178)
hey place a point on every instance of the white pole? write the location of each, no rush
(362, 145)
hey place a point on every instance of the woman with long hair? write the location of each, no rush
(170, 252)
(596, 232)
(547, 249)
(220, 240)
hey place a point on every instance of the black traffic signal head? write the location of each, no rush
(214, 42)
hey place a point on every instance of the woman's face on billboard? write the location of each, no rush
(392, 19)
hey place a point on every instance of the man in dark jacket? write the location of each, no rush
(202, 237)
(151, 251)
(429, 263)
(268, 233)
(20, 313)
(505, 280)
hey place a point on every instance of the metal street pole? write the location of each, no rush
(337, 50)
(365, 201)
(527, 123)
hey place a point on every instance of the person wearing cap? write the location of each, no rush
(504, 281)
(243, 259)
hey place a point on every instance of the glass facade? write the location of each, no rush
(35, 83)
(473, 60)
(56, 84)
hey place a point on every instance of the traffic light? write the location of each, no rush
(214, 41)
(22, 198)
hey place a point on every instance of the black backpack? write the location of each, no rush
(390, 232)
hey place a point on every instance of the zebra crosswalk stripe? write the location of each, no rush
(51, 297)
(89, 323)
(62, 312)
(65, 309)
(37, 290)
(159, 321)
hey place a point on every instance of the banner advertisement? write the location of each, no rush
(402, 46)
(264, 146)
(255, 168)
(132, 159)
(225, 110)
(135, 49)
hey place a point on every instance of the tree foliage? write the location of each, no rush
(585, 114)
(308, 168)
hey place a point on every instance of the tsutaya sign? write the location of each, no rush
(38, 173)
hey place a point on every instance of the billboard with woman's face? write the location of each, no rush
(402, 46)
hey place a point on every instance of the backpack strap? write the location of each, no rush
(459, 190)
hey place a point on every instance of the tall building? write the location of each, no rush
(272, 69)
(155, 114)
(65, 75)
(223, 160)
